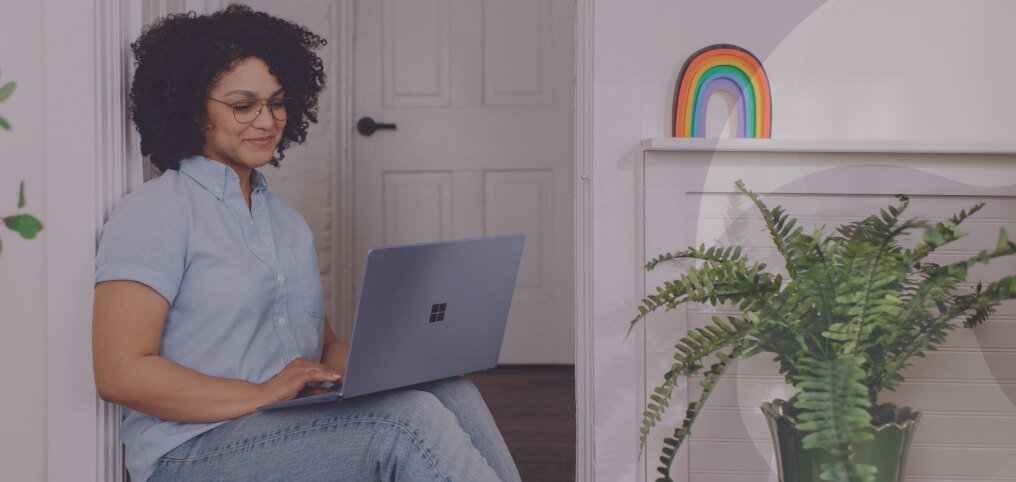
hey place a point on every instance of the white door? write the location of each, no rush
(481, 94)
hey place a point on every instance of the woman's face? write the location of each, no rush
(239, 145)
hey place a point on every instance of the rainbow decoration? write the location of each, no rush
(723, 67)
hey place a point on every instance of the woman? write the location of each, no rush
(208, 300)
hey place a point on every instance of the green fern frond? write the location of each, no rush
(978, 316)
(780, 227)
(847, 472)
(689, 354)
(870, 281)
(655, 409)
(718, 255)
(833, 404)
(942, 233)
(723, 278)
(958, 271)
(983, 303)
(712, 376)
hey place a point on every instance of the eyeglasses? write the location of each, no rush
(246, 111)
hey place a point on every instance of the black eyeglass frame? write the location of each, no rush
(287, 102)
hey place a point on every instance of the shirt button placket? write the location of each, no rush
(264, 227)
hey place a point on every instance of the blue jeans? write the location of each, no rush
(435, 431)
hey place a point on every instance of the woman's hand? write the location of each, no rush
(293, 379)
(335, 353)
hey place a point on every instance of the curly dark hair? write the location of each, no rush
(180, 58)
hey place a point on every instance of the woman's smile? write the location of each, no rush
(263, 142)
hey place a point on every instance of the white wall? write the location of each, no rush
(22, 262)
(840, 69)
(849, 69)
(49, 48)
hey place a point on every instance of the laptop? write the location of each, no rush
(427, 311)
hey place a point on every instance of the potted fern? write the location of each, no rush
(853, 308)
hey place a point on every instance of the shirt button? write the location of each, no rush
(217, 189)
(282, 322)
(280, 278)
(268, 242)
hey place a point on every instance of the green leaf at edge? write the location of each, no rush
(21, 196)
(4, 124)
(1003, 240)
(25, 224)
(7, 90)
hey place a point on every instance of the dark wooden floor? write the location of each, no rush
(534, 406)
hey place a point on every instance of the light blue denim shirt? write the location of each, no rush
(243, 286)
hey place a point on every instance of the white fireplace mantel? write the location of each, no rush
(898, 146)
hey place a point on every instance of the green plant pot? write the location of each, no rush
(887, 451)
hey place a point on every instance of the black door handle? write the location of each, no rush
(366, 126)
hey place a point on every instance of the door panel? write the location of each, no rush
(416, 53)
(481, 93)
(417, 207)
(518, 51)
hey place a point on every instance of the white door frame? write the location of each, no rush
(86, 170)
(112, 24)
(585, 420)
(342, 229)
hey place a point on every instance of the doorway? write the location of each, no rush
(478, 101)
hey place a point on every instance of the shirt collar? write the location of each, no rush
(258, 181)
(214, 175)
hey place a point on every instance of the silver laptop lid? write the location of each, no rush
(429, 311)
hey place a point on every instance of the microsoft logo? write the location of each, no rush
(437, 312)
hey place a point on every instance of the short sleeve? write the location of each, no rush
(145, 240)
